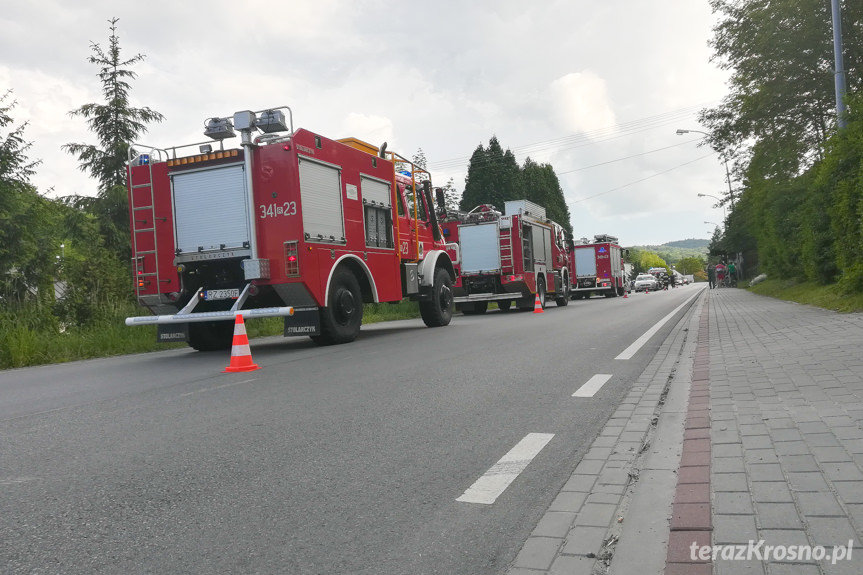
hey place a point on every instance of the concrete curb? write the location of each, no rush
(581, 528)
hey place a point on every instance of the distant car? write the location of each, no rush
(645, 282)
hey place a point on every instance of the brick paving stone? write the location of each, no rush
(792, 448)
(596, 515)
(761, 456)
(568, 501)
(572, 565)
(554, 524)
(732, 503)
(771, 492)
(842, 472)
(583, 540)
(795, 569)
(727, 450)
(849, 492)
(583, 483)
(728, 465)
(798, 463)
(830, 531)
(680, 542)
(778, 516)
(693, 493)
(807, 481)
(819, 504)
(690, 516)
(765, 472)
(694, 475)
(734, 528)
(538, 553)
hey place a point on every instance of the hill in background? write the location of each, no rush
(675, 251)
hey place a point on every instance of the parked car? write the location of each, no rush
(646, 282)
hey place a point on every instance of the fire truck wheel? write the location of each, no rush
(562, 298)
(540, 289)
(438, 311)
(341, 320)
(504, 304)
(211, 335)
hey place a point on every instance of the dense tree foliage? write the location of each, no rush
(494, 177)
(797, 210)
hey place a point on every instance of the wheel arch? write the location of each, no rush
(360, 270)
(433, 260)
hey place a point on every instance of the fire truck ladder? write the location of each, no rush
(144, 227)
(505, 249)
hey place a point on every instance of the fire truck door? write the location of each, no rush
(410, 227)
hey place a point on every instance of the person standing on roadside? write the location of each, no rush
(711, 275)
(732, 274)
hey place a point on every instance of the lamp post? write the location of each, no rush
(724, 216)
(680, 132)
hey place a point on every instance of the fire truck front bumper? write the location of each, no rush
(229, 315)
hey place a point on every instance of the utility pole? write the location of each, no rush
(840, 69)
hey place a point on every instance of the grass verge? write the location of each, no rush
(809, 293)
(25, 342)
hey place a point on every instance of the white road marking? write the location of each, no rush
(203, 389)
(593, 385)
(489, 487)
(637, 344)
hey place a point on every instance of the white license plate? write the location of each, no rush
(214, 294)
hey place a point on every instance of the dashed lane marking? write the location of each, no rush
(637, 344)
(593, 385)
(495, 481)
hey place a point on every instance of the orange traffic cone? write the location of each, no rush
(625, 294)
(241, 355)
(537, 305)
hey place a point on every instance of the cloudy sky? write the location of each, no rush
(596, 88)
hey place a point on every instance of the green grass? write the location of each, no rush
(827, 297)
(27, 338)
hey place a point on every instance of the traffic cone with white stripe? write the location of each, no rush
(241, 355)
(537, 305)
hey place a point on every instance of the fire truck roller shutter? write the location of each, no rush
(211, 209)
(321, 195)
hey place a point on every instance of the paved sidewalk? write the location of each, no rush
(745, 431)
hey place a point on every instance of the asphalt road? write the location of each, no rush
(346, 459)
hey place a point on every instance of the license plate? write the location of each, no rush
(214, 294)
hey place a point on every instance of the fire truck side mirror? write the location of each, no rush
(440, 198)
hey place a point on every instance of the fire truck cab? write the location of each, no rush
(291, 224)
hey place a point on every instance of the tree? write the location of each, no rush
(115, 123)
(541, 186)
(28, 230)
(493, 177)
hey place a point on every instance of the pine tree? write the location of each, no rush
(115, 123)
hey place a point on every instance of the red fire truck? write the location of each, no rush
(291, 224)
(598, 267)
(507, 258)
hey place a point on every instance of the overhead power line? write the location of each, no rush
(641, 180)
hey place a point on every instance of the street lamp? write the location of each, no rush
(724, 216)
(680, 132)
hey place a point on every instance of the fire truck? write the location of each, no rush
(507, 258)
(290, 224)
(598, 267)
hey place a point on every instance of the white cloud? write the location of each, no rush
(442, 76)
(580, 102)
